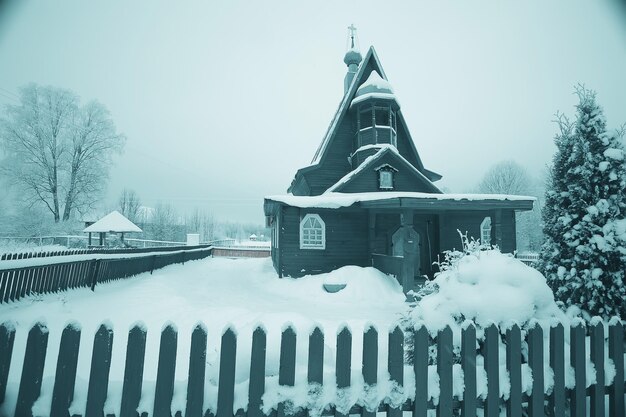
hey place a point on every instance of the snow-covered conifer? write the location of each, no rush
(584, 252)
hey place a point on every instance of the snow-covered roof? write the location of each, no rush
(113, 222)
(333, 200)
(382, 148)
(374, 83)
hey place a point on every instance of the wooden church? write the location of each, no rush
(368, 200)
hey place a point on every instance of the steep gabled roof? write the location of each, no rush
(345, 102)
(371, 160)
(371, 58)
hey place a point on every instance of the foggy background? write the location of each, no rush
(222, 102)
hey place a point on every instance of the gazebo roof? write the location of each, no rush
(113, 222)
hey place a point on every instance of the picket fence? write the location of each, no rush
(559, 402)
(17, 283)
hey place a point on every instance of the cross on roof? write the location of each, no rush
(352, 30)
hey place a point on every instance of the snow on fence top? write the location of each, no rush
(334, 200)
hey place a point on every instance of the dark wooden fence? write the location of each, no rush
(241, 252)
(16, 283)
(559, 402)
(67, 252)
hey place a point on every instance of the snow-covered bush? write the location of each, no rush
(584, 253)
(487, 287)
(483, 286)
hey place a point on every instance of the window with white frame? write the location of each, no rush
(385, 177)
(312, 232)
(485, 231)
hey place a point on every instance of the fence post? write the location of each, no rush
(315, 371)
(164, 389)
(578, 362)
(535, 360)
(468, 364)
(343, 362)
(370, 363)
(557, 363)
(287, 364)
(95, 268)
(226, 384)
(65, 377)
(7, 338)
(597, 357)
(99, 373)
(444, 369)
(420, 368)
(616, 353)
(395, 366)
(256, 387)
(492, 367)
(32, 372)
(133, 371)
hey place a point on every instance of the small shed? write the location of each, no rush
(114, 222)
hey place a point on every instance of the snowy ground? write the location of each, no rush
(218, 292)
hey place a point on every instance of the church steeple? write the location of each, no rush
(352, 58)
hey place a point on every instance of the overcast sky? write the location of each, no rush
(223, 101)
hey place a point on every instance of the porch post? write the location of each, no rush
(371, 233)
(497, 223)
(410, 249)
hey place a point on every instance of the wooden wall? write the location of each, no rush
(346, 242)
(469, 222)
(347, 237)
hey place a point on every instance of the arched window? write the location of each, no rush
(312, 232)
(485, 231)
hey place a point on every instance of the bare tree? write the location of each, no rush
(506, 177)
(164, 222)
(129, 204)
(201, 222)
(57, 152)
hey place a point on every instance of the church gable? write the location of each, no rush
(386, 170)
(368, 114)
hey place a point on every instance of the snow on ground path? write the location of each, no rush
(218, 292)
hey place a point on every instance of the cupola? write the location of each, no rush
(375, 106)
(352, 58)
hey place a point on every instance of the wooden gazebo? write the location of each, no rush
(114, 222)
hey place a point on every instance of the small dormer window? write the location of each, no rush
(385, 177)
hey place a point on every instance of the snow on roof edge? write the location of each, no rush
(383, 147)
(333, 200)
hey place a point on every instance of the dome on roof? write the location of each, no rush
(374, 84)
(353, 56)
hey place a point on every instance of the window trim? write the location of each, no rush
(303, 245)
(388, 169)
(483, 230)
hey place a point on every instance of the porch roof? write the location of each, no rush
(405, 200)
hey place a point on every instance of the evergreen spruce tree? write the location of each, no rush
(584, 253)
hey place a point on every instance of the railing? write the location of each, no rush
(529, 259)
(424, 394)
(34, 276)
(391, 265)
(67, 239)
